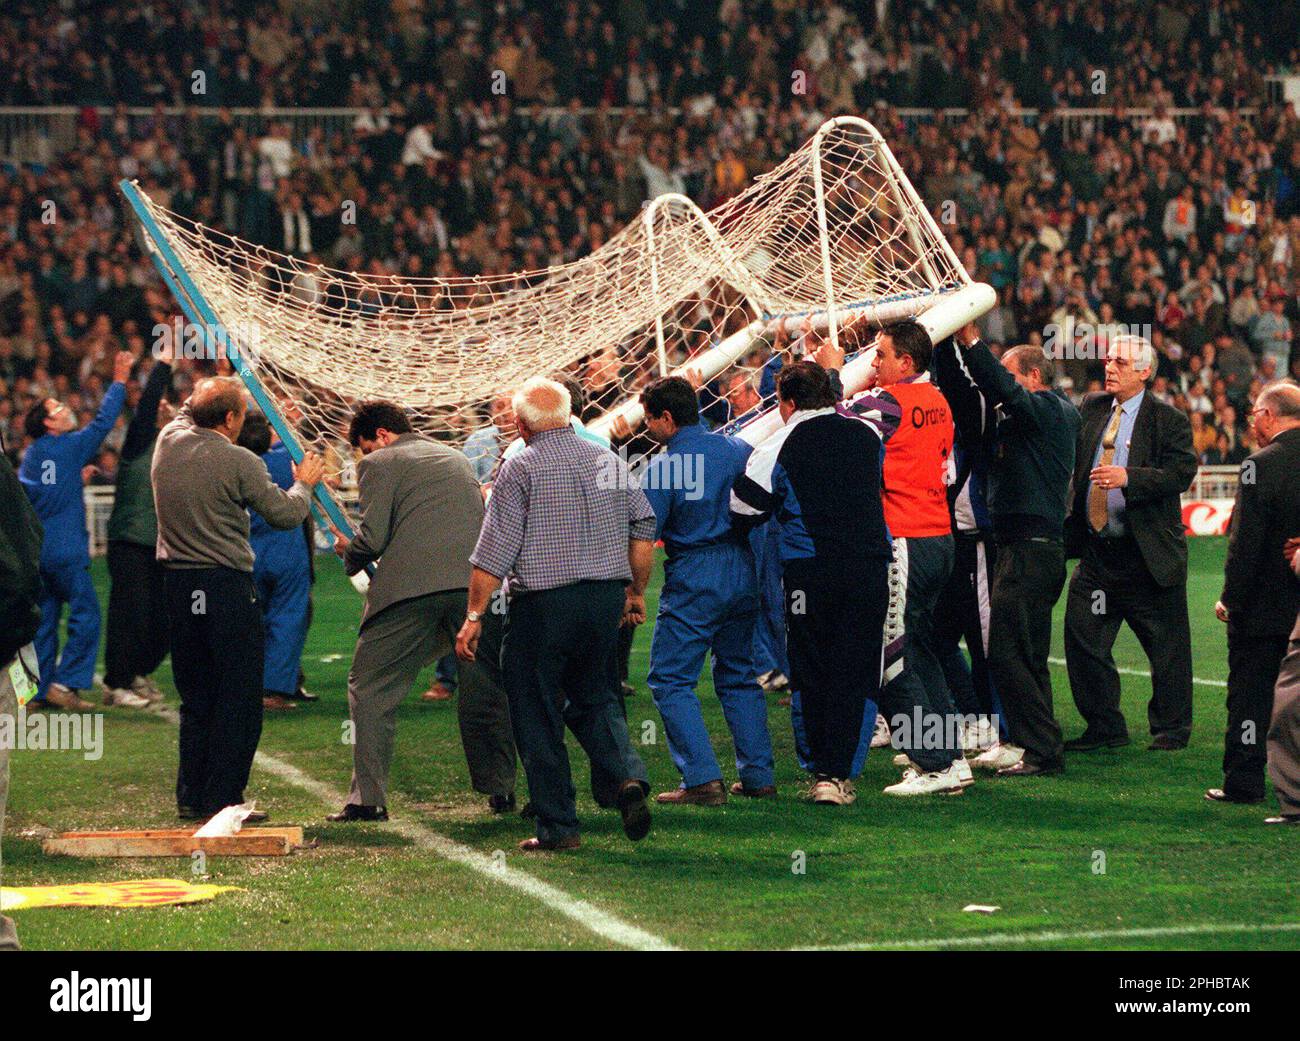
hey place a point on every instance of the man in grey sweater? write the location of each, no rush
(203, 484)
(421, 510)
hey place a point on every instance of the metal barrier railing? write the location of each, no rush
(38, 134)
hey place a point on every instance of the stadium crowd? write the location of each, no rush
(1186, 229)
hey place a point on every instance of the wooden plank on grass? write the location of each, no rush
(254, 842)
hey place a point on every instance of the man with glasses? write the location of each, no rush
(51, 476)
(1260, 596)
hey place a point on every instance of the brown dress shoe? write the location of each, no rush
(553, 845)
(710, 794)
(276, 703)
(438, 692)
(66, 697)
(768, 791)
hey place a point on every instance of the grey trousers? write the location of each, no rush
(8, 707)
(393, 647)
(1284, 730)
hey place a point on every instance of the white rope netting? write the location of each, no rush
(716, 292)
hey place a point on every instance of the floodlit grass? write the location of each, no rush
(883, 871)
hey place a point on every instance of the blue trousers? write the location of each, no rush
(68, 584)
(283, 583)
(709, 603)
(769, 632)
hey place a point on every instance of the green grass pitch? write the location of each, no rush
(1178, 872)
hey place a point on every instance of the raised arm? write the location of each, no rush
(140, 432)
(86, 442)
(971, 413)
(998, 385)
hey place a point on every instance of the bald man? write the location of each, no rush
(1260, 595)
(203, 485)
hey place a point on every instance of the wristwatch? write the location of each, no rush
(473, 616)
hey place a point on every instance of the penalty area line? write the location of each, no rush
(592, 918)
(1061, 936)
(1144, 673)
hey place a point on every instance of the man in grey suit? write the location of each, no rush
(421, 510)
(1284, 730)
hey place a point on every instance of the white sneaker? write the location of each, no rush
(964, 773)
(999, 757)
(124, 698)
(880, 737)
(939, 782)
(979, 736)
(144, 687)
(832, 791)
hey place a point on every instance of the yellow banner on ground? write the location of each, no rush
(141, 892)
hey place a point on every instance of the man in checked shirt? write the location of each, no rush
(572, 537)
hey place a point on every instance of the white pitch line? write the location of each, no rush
(1016, 939)
(1143, 672)
(587, 915)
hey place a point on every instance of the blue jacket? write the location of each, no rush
(689, 488)
(51, 477)
(271, 543)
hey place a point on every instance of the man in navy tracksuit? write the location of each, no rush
(820, 475)
(964, 609)
(281, 572)
(709, 601)
(51, 477)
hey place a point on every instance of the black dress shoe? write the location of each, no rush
(1219, 795)
(189, 813)
(1167, 743)
(1086, 742)
(636, 812)
(303, 695)
(1027, 769)
(627, 690)
(1283, 818)
(257, 817)
(501, 803)
(354, 812)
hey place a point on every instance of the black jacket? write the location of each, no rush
(20, 553)
(1161, 466)
(1033, 454)
(1260, 591)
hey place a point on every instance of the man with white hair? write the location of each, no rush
(1133, 461)
(573, 539)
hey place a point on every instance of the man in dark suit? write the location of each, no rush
(1133, 462)
(20, 616)
(1260, 594)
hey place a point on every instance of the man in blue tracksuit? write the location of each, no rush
(281, 572)
(709, 601)
(51, 477)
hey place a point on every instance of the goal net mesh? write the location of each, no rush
(717, 292)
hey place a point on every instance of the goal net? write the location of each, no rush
(834, 235)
